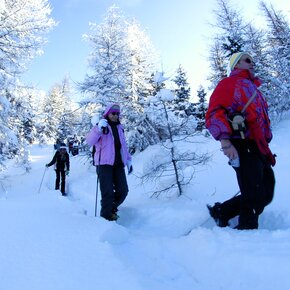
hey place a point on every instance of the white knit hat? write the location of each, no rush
(235, 59)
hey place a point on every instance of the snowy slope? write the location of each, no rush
(50, 242)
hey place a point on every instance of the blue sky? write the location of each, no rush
(179, 30)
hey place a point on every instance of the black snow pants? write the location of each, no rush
(256, 181)
(114, 188)
(60, 174)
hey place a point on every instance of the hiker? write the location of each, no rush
(75, 149)
(237, 116)
(61, 162)
(70, 144)
(110, 157)
(56, 145)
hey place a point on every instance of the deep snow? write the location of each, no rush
(50, 242)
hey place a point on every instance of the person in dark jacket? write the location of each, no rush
(237, 116)
(62, 166)
(110, 157)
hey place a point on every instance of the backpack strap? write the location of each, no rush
(249, 101)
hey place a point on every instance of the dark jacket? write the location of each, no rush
(61, 161)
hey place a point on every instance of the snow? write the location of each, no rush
(50, 242)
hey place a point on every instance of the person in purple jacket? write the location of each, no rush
(110, 158)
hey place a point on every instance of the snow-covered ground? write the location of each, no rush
(50, 242)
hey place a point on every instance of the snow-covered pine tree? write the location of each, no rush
(140, 132)
(108, 60)
(182, 93)
(22, 28)
(277, 50)
(58, 119)
(170, 167)
(121, 62)
(230, 38)
(201, 109)
(69, 121)
(155, 111)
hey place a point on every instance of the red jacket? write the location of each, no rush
(229, 97)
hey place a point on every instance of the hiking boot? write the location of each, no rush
(246, 227)
(248, 221)
(114, 217)
(215, 213)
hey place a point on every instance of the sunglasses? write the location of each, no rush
(115, 113)
(248, 60)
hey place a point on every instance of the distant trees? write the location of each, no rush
(182, 92)
(57, 119)
(200, 109)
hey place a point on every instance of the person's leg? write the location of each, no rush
(269, 183)
(252, 188)
(268, 186)
(62, 189)
(105, 173)
(250, 179)
(57, 180)
(120, 186)
(231, 208)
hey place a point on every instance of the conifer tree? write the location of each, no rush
(57, 117)
(201, 109)
(23, 26)
(229, 39)
(122, 61)
(277, 50)
(182, 93)
(167, 166)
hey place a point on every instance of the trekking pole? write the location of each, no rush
(98, 171)
(42, 179)
(236, 193)
(97, 189)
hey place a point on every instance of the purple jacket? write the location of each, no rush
(105, 147)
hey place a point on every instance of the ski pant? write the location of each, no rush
(256, 181)
(114, 188)
(60, 174)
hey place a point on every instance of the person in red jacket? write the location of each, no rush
(237, 116)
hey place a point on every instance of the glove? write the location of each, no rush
(271, 158)
(129, 167)
(103, 123)
(67, 173)
(46, 165)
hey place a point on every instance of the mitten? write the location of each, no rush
(103, 123)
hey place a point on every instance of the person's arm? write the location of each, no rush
(53, 160)
(229, 149)
(93, 136)
(217, 116)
